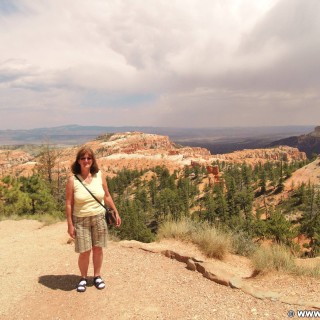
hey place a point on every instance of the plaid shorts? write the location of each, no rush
(90, 232)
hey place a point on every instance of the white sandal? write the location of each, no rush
(82, 285)
(98, 283)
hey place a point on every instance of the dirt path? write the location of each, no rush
(38, 272)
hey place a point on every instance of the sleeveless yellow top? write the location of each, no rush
(84, 204)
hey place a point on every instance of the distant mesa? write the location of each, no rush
(316, 132)
(308, 143)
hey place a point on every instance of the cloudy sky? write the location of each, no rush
(183, 63)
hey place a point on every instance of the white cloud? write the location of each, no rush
(217, 57)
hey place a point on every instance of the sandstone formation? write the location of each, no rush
(137, 150)
(255, 156)
(15, 161)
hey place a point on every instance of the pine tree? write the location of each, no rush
(153, 190)
(310, 221)
(14, 201)
(279, 228)
(209, 208)
(38, 191)
(134, 222)
(221, 210)
(263, 182)
(231, 197)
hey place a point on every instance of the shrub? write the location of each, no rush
(243, 244)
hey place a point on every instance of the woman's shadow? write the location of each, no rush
(60, 282)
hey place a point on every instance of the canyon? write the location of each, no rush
(138, 150)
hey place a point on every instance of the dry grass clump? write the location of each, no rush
(279, 258)
(212, 242)
(275, 257)
(180, 230)
(308, 271)
(216, 243)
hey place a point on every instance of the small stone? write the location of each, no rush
(254, 310)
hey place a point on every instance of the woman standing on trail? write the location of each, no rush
(85, 216)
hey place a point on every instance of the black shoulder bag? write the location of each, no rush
(110, 214)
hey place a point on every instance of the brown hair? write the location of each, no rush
(75, 167)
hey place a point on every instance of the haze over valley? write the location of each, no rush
(216, 139)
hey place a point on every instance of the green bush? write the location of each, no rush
(243, 244)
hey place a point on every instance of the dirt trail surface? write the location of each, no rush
(39, 271)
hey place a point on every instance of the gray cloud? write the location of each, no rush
(288, 33)
(237, 62)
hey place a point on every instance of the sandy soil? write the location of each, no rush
(38, 271)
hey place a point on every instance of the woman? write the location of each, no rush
(85, 216)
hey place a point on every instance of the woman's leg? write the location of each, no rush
(83, 263)
(97, 258)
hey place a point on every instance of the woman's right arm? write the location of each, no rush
(69, 206)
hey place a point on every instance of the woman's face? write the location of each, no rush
(85, 161)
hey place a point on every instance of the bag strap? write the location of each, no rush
(90, 192)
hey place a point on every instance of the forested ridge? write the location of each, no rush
(147, 198)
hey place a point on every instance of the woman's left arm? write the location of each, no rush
(109, 201)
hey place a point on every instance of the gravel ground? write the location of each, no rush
(39, 271)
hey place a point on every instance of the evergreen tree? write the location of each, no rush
(233, 209)
(38, 191)
(279, 228)
(310, 221)
(263, 182)
(246, 175)
(221, 210)
(168, 204)
(164, 178)
(14, 201)
(153, 190)
(187, 192)
(141, 195)
(209, 208)
(245, 200)
(134, 222)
